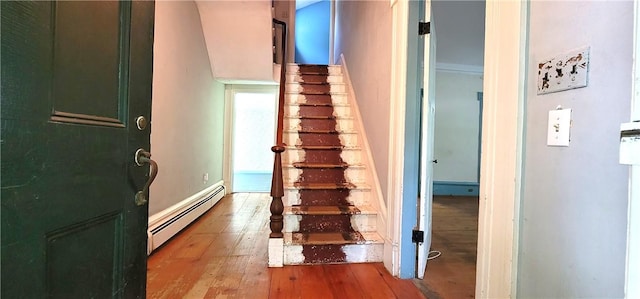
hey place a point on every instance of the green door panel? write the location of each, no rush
(87, 62)
(74, 76)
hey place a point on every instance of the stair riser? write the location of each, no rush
(332, 69)
(295, 110)
(294, 138)
(322, 124)
(297, 78)
(358, 253)
(333, 156)
(322, 175)
(315, 88)
(299, 155)
(357, 197)
(336, 99)
(359, 222)
(292, 174)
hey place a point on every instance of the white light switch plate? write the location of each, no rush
(565, 71)
(630, 143)
(559, 127)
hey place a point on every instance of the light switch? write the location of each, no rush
(630, 143)
(559, 127)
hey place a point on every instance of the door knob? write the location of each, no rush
(435, 161)
(141, 158)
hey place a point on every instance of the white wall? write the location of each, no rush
(574, 208)
(457, 125)
(363, 36)
(238, 37)
(187, 109)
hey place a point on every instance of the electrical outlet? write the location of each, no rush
(205, 177)
(567, 71)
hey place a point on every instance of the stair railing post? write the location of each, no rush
(277, 182)
(277, 192)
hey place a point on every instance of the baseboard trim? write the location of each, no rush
(167, 223)
(455, 188)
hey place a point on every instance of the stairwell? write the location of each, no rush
(328, 215)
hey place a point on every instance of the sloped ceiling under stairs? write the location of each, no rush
(238, 38)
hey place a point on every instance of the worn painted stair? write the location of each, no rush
(328, 216)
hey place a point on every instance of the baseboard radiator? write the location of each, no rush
(171, 221)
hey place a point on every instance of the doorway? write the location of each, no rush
(253, 133)
(457, 130)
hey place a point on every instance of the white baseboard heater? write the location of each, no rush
(166, 224)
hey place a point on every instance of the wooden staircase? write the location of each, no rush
(328, 217)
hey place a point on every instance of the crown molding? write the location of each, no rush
(460, 68)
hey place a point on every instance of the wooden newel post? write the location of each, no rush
(277, 192)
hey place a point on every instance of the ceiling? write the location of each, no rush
(459, 28)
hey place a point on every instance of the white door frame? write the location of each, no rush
(229, 97)
(506, 27)
(398, 91)
(504, 83)
(632, 275)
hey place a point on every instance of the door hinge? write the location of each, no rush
(417, 236)
(424, 28)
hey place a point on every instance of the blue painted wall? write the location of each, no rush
(312, 33)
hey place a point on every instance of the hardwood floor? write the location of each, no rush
(455, 234)
(224, 255)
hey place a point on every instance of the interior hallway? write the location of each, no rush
(455, 235)
(224, 255)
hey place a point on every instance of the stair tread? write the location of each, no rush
(319, 186)
(332, 238)
(322, 147)
(329, 210)
(319, 131)
(316, 82)
(317, 105)
(320, 165)
(339, 131)
(326, 117)
(286, 164)
(319, 117)
(315, 92)
(306, 104)
(327, 186)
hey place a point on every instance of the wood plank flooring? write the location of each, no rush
(224, 255)
(455, 234)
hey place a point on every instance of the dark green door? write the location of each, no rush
(75, 76)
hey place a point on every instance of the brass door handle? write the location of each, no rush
(141, 158)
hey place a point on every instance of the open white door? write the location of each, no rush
(426, 146)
